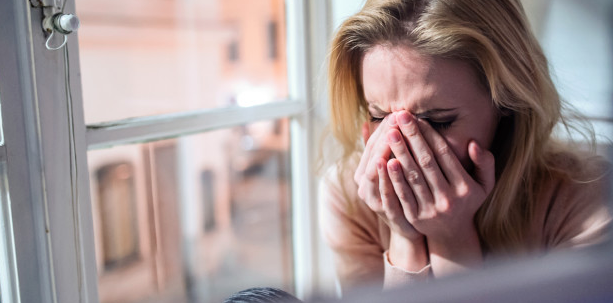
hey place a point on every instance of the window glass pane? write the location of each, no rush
(200, 216)
(150, 57)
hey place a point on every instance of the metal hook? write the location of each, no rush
(55, 48)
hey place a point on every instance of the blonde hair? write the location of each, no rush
(494, 37)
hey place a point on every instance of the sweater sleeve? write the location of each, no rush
(352, 236)
(397, 277)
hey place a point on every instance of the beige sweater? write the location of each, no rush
(571, 214)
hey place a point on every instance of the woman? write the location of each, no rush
(456, 108)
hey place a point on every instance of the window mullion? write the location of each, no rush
(307, 33)
(172, 125)
(297, 53)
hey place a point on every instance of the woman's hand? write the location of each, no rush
(439, 197)
(374, 184)
(407, 247)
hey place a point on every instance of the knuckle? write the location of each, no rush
(463, 190)
(426, 161)
(411, 129)
(444, 150)
(444, 207)
(403, 196)
(384, 192)
(412, 176)
(387, 193)
(427, 215)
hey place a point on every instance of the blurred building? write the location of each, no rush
(201, 216)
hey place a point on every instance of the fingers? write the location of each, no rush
(370, 141)
(447, 160)
(380, 149)
(389, 201)
(422, 153)
(485, 166)
(401, 190)
(366, 176)
(368, 182)
(397, 210)
(408, 172)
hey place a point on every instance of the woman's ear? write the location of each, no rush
(365, 131)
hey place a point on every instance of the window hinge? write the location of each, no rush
(51, 4)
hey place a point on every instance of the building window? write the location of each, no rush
(117, 214)
(272, 40)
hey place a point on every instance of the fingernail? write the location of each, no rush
(394, 166)
(404, 118)
(394, 137)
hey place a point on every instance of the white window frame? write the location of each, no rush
(51, 244)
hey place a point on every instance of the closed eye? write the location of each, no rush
(376, 119)
(440, 125)
(437, 125)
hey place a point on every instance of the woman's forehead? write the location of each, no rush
(399, 78)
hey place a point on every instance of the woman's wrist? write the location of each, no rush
(408, 254)
(454, 254)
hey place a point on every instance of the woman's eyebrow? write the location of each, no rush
(422, 115)
(376, 109)
(433, 112)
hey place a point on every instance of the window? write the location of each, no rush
(116, 214)
(212, 207)
(81, 141)
(146, 197)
